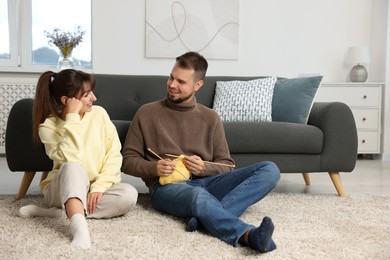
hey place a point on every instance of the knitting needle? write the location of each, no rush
(216, 163)
(159, 157)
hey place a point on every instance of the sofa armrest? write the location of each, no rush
(340, 144)
(21, 152)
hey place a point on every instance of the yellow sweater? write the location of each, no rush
(92, 142)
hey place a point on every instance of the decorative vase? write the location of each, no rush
(66, 61)
(358, 74)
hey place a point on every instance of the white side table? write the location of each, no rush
(365, 101)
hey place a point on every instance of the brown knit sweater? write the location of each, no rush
(168, 128)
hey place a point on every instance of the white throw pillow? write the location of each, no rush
(245, 100)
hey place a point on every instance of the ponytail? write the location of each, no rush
(44, 104)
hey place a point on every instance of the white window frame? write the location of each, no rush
(13, 18)
(20, 31)
(25, 35)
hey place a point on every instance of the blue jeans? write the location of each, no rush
(218, 201)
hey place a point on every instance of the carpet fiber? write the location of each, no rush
(306, 227)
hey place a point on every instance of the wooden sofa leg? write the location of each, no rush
(26, 181)
(44, 175)
(335, 176)
(306, 177)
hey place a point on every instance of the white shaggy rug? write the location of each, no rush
(306, 227)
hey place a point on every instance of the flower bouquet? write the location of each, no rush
(65, 42)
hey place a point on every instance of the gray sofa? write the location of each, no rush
(327, 143)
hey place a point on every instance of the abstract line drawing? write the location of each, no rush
(210, 27)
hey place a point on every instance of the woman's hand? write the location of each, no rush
(93, 199)
(72, 105)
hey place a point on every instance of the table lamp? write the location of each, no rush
(357, 55)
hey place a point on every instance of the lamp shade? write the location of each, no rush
(358, 54)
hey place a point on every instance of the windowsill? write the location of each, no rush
(36, 70)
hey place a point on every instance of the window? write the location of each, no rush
(8, 45)
(65, 15)
(4, 30)
(22, 32)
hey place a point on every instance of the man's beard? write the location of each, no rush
(179, 100)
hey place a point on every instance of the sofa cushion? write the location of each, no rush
(244, 100)
(293, 99)
(261, 137)
(273, 138)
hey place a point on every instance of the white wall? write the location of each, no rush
(277, 37)
(386, 127)
(378, 41)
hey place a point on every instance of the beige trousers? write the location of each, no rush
(72, 181)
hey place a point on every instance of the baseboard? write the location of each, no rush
(386, 157)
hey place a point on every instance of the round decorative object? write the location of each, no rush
(358, 74)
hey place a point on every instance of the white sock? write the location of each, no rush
(35, 211)
(80, 232)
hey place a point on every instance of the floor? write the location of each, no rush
(370, 176)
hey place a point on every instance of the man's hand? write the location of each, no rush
(93, 199)
(165, 167)
(194, 164)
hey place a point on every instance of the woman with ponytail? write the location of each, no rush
(85, 148)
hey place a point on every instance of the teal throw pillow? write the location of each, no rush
(293, 99)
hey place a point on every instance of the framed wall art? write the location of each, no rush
(210, 27)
